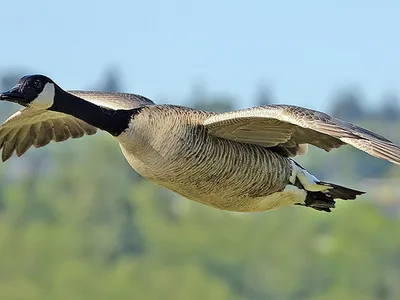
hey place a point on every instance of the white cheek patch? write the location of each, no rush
(45, 99)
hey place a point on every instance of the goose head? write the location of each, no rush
(34, 91)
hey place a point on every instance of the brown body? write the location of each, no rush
(170, 146)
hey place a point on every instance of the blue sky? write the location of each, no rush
(305, 50)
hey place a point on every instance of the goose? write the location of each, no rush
(241, 161)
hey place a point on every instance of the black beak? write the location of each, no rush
(13, 95)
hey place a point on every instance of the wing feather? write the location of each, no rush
(287, 128)
(27, 128)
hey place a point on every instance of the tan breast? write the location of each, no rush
(170, 147)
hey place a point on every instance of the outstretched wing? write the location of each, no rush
(37, 128)
(288, 129)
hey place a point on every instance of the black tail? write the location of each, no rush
(341, 192)
(324, 201)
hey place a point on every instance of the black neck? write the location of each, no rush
(112, 121)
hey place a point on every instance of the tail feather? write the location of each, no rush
(341, 192)
(320, 195)
(325, 201)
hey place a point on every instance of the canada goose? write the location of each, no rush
(237, 161)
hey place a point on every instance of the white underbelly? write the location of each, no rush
(225, 194)
(289, 196)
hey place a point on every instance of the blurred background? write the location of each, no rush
(76, 222)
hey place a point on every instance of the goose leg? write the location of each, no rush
(320, 195)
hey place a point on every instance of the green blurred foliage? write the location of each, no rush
(76, 222)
